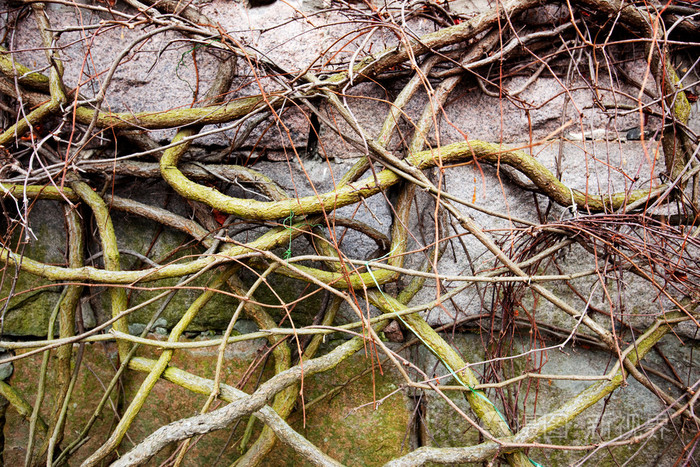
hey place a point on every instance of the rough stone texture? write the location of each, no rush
(27, 313)
(161, 75)
(347, 426)
(593, 167)
(627, 409)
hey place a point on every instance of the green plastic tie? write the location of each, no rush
(288, 252)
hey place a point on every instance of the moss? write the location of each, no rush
(289, 290)
(33, 297)
(137, 234)
(681, 105)
(457, 432)
(349, 426)
(100, 359)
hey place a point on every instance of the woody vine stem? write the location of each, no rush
(63, 143)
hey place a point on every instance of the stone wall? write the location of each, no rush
(577, 119)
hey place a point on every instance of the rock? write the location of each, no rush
(168, 72)
(28, 312)
(136, 329)
(348, 426)
(6, 369)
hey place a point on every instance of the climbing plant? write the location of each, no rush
(382, 90)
